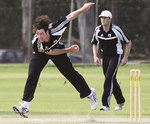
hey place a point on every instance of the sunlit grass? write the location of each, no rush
(53, 96)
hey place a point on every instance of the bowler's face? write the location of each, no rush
(105, 21)
(42, 35)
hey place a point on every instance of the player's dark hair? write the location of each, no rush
(41, 22)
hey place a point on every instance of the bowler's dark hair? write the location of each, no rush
(41, 22)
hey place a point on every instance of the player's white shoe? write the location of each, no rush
(104, 108)
(92, 99)
(23, 111)
(119, 107)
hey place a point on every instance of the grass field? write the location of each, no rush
(54, 97)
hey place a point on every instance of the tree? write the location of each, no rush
(26, 28)
(86, 28)
(131, 15)
(10, 24)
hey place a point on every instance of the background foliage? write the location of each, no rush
(133, 16)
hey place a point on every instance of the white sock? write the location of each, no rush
(90, 94)
(27, 104)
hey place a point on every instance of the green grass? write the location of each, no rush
(53, 97)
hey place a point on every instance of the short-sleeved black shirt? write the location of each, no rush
(56, 30)
(110, 42)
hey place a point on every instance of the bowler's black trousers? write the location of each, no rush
(111, 86)
(62, 62)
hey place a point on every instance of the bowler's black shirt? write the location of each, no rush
(56, 30)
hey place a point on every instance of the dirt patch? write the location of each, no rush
(70, 119)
